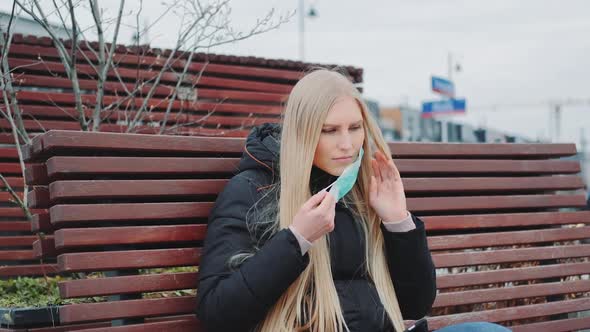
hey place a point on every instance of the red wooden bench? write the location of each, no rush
(233, 94)
(502, 220)
(16, 238)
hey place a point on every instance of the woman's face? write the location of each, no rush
(341, 138)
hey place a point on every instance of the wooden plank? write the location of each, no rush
(159, 104)
(481, 150)
(128, 259)
(466, 166)
(17, 241)
(87, 71)
(136, 143)
(462, 241)
(17, 212)
(6, 197)
(157, 62)
(8, 153)
(562, 325)
(69, 328)
(129, 189)
(96, 189)
(96, 140)
(511, 313)
(128, 284)
(62, 214)
(38, 197)
(511, 275)
(27, 270)
(170, 165)
(126, 309)
(482, 221)
(82, 237)
(509, 255)
(45, 247)
(116, 87)
(10, 168)
(15, 226)
(510, 293)
(493, 203)
(41, 223)
(186, 131)
(491, 184)
(14, 182)
(17, 255)
(184, 324)
(61, 166)
(69, 115)
(36, 174)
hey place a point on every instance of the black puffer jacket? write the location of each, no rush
(237, 299)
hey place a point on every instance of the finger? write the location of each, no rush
(314, 200)
(376, 169)
(386, 172)
(373, 187)
(396, 174)
(328, 202)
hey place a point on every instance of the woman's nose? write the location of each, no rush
(345, 142)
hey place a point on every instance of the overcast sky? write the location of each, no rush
(526, 52)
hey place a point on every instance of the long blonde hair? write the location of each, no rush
(311, 303)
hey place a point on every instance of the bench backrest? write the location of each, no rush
(232, 94)
(502, 223)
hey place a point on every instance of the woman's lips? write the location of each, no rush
(346, 159)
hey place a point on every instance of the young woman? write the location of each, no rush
(282, 253)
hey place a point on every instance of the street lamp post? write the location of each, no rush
(312, 13)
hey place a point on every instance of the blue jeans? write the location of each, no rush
(474, 327)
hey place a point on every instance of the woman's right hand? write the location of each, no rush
(316, 216)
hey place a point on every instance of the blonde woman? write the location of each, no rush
(290, 248)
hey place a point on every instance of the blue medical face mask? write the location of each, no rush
(347, 179)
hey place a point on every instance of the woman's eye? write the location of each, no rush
(328, 131)
(355, 128)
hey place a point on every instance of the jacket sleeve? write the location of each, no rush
(230, 299)
(411, 269)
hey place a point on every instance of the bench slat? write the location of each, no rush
(17, 255)
(79, 237)
(27, 270)
(509, 255)
(159, 104)
(509, 275)
(139, 211)
(506, 238)
(128, 284)
(562, 325)
(87, 71)
(133, 211)
(95, 189)
(15, 226)
(161, 90)
(56, 139)
(130, 259)
(17, 241)
(512, 313)
(482, 221)
(179, 325)
(510, 293)
(157, 165)
(126, 309)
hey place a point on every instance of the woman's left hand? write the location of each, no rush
(386, 191)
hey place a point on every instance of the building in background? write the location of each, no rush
(27, 26)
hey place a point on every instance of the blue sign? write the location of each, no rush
(449, 106)
(443, 86)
